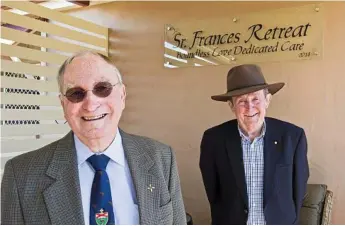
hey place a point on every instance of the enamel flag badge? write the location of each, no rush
(102, 217)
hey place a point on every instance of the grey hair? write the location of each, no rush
(69, 60)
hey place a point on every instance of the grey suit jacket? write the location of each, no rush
(42, 186)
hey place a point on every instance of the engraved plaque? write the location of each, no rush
(265, 36)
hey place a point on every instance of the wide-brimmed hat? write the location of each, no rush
(244, 79)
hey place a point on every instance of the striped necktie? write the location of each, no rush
(101, 206)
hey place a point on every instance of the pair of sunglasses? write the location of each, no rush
(78, 94)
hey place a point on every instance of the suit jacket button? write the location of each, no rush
(246, 211)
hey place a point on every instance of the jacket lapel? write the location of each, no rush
(272, 151)
(235, 154)
(63, 197)
(145, 180)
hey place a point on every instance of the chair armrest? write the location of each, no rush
(327, 209)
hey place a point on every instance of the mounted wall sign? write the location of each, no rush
(265, 36)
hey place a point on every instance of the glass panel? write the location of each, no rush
(266, 36)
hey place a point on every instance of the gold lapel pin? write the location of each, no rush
(151, 188)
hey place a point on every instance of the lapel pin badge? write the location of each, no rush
(275, 142)
(151, 188)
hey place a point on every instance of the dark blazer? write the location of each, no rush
(286, 173)
(42, 186)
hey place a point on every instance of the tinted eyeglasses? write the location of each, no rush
(101, 89)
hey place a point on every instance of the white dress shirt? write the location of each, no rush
(122, 189)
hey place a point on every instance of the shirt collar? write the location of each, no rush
(115, 151)
(262, 134)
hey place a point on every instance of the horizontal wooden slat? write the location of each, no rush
(52, 29)
(208, 62)
(175, 62)
(56, 16)
(8, 146)
(7, 114)
(36, 40)
(192, 60)
(31, 69)
(20, 83)
(172, 53)
(15, 98)
(32, 130)
(32, 54)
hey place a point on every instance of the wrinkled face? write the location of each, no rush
(94, 117)
(250, 110)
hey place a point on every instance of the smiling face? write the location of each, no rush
(250, 110)
(94, 117)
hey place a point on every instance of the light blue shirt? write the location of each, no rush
(253, 160)
(122, 189)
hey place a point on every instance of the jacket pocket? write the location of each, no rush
(166, 213)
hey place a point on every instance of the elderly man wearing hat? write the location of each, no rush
(254, 168)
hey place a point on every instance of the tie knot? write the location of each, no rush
(98, 162)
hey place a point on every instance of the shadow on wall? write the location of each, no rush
(318, 174)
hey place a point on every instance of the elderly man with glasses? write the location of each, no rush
(97, 173)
